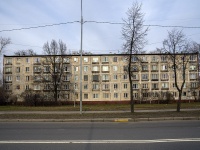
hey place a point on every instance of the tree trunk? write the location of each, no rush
(131, 88)
(178, 109)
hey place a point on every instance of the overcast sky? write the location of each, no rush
(97, 38)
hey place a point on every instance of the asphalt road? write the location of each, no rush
(164, 135)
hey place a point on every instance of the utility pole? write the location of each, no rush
(81, 51)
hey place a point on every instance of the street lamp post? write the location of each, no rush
(81, 51)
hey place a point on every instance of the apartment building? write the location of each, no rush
(104, 77)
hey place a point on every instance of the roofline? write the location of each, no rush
(193, 53)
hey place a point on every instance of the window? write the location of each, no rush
(193, 75)
(76, 77)
(144, 68)
(37, 78)
(154, 67)
(66, 96)
(125, 85)
(18, 60)
(135, 76)
(76, 86)
(154, 85)
(17, 69)
(75, 59)
(105, 59)
(47, 87)
(173, 85)
(193, 67)
(135, 86)
(164, 67)
(154, 76)
(95, 59)
(85, 77)
(115, 86)
(95, 77)
(105, 77)
(192, 57)
(46, 68)
(134, 68)
(125, 95)
(115, 68)
(115, 95)
(95, 68)
(27, 78)
(66, 78)
(95, 95)
(7, 87)
(154, 59)
(135, 95)
(85, 96)
(194, 85)
(134, 58)
(66, 87)
(17, 78)
(85, 86)
(36, 69)
(184, 94)
(145, 86)
(95, 86)
(8, 78)
(105, 86)
(164, 76)
(85, 59)
(144, 59)
(18, 87)
(36, 87)
(27, 69)
(9, 61)
(125, 68)
(37, 60)
(105, 95)
(115, 77)
(144, 94)
(66, 69)
(75, 68)
(163, 58)
(66, 60)
(27, 60)
(8, 69)
(105, 68)
(165, 85)
(85, 68)
(114, 59)
(125, 76)
(145, 77)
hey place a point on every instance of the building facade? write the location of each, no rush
(104, 77)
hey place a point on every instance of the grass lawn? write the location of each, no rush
(102, 107)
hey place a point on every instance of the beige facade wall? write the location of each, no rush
(104, 78)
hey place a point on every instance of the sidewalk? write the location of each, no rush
(103, 119)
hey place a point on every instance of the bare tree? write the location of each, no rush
(177, 46)
(54, 64)
(3, 43)
(25, 52)
(134, 36)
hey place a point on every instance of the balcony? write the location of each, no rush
(156, 70)
(154, 88)
(154, 79)
(164, 88)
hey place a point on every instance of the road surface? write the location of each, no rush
(164, 135)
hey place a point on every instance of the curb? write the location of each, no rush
(122, 120)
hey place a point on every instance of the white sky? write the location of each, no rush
(97, 38)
